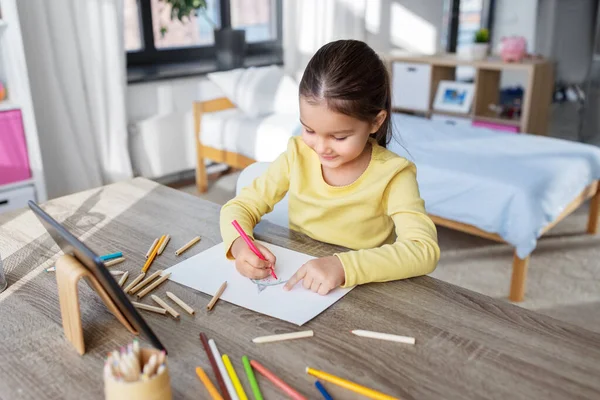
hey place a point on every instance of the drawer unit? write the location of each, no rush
(14, 199)
(411, 86)
(451, 120)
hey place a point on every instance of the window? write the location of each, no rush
(152, 37)
(462, 18)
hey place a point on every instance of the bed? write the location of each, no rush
(510, 188)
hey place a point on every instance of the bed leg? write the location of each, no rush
(593, 215)
(519, 274)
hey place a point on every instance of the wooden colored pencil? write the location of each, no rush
(117, 273)
(363, 390)
(276, 381)
(153, 254)
(384, 336)
(216, 296)
(283, 336)
(149, 308)
(164, 244)
(164, 305)
(51, 269)
(215, 367)
(252, 378)
(115, 261)
(146, 281)
(323, 391)
(152, 247)
(123, 278)
(226, 378)
(153, 285)
(134, 282)
(187, 245)
(212, 390)
(234, 378)
(181, 304)
(111, 256)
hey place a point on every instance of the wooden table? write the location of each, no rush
(467, 345)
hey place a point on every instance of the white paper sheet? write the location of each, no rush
(207, 271)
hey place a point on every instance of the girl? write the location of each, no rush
(344, 186)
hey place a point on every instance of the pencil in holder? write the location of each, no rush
(155, 387)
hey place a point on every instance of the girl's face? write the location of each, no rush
(336, 138)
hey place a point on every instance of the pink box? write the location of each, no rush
(498, 127)
(14, 161)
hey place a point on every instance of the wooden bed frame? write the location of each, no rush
(519, 272)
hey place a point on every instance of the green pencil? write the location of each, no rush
(252, 378)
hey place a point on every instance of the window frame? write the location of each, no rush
(149, 55)
(487, 15)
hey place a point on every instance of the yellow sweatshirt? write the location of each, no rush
(380, 216)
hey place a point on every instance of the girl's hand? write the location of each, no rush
(248, 264)
(321, 275)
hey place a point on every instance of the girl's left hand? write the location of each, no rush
(320, 275)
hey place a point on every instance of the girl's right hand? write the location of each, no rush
(248, 264)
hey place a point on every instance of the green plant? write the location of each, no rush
(185, 8)
(482, 36)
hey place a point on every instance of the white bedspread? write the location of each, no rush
(504, 183)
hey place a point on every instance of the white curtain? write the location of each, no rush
(77, 69)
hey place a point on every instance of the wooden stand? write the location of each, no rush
(68, 273)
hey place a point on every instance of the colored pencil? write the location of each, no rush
(277, 381)
(153, 285)
(146, 307)
(323, 391)
(187, 245)
(216, 296)
(212, 390)
(283, 336)
(365, 391)
(181, 304)
(123, 278)
(107, 257)
(51, 269)
(114, 261)
(117, 273)
(214, 366)
(234, 378)
(219, 360)
(164, 244)
(252, 378)
(164, 305)
(150, 259)
(384, 336)
(146, 281)
(152, 247)
(134, 282)
(250, 244)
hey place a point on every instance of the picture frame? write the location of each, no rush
(452, 96)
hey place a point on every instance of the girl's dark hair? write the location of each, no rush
(353, 80)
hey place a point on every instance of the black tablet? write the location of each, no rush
(73, 246)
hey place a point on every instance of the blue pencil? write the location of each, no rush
(321, 388)
(111, 256)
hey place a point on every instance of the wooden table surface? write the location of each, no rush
(467, 345)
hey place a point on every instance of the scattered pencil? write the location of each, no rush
(276, 381)
(164, 244)
(123, 278)
(216, 296)
(152, 247)
(384, 336)
(237, 385)
(252, 378)
(212, 390)
(214, 365)
(146, 307)
(153, 285)
(356, 388)
(181, 304)
(111, 256)
(117, 273)
(164, 305)
(114, 262)
(188, 245)
(153, 254)
(283, 336)
(323, 391)
(51, 269)
(134, 282)
(219, 360)
(146, 281)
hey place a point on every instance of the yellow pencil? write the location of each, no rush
(234, 378)
(365, 391)
(212, 390)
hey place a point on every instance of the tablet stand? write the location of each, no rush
(68, 273)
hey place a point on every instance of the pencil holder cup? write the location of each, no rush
(156, 388)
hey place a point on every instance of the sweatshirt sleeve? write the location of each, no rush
(256, 199)
(415, 251)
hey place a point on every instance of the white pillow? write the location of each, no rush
(286, 97)
(252, 89)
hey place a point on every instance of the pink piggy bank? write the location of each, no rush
(513, 48)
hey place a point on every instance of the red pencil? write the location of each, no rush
(251, 245)
(214, 366)
(277, 381)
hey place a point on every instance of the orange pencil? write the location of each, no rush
(212, 390)
(153, 254)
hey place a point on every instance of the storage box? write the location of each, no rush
(411, 83)
(14, 161)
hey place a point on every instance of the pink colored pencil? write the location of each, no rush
(276, 381)
(251, 245)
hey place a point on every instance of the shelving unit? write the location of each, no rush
(415, 80)
(14, 76)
